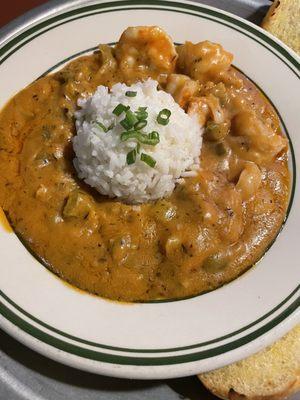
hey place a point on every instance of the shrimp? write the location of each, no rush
(207, 107)
(182, 88)
(198, 106)
(249, 181)
(203, 60)
(254, 140)
(225, 205)
(146, 48)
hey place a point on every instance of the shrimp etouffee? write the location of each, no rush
(213, 226)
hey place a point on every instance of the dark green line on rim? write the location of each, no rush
(142, 361)
(124, 349)
(80, 53)
(270, 41)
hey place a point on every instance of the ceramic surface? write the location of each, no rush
(164, 339)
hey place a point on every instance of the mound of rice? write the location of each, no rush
(101, 157)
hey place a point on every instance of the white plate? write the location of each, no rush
(163, 339)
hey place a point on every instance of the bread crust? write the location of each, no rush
(283, 21)
(271, 374)
(291, 389)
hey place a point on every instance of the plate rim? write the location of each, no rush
(154, 3)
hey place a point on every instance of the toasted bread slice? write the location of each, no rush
(271, 374)
(283, 21)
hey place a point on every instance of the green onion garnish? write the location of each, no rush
(138, 148)
(140, 124)
(141, 137)
(111, 126)
(150, 139)
(141, 113)
(101, 126)
(126, 125)
(163, 117)
(148, 160)
(129, 121)
(132, 135)
(131, 117)
(119, 109)
(129, 93)
(154, 136)
(131, 157)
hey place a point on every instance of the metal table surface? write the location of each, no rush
(26, 375)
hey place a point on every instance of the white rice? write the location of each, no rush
(101, 157)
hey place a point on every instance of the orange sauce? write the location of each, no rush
(4, 224)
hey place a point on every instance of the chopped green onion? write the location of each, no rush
(130, 135)
(101, 126)
(142, 116)
(141, 113)
(131, 157)
(111, 126)
(119, 109)
(150, 139)
(140, 124)
(129, 121)
(129, 93)
(126, 125)
(141, 137)
(144, 139)
(154, 136)
(163, 117)
(131, 117)
(148, 160)
(138, 148)
(166, 113)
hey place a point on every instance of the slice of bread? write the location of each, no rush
(271, 374)
(283, 21)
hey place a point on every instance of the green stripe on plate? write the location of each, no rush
(124, 349)
(143, 361)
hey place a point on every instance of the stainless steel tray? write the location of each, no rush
(25, 375)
